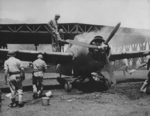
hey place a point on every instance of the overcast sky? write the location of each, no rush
(131, 13)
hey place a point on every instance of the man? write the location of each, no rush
(53, 25)
(125, 66)
(0, 100)
(15, 71)
(61, 44)
(146, 85)
(39, 67)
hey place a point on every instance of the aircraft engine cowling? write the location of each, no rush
(99, 54)
(85, 60)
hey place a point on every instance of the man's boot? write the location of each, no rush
(20, 104)
(35, 96)
(13, 103)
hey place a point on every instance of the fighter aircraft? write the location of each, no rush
(83, 61)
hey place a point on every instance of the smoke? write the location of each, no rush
(90, 35)
(127, 36)
(124, 36)
(87, 36)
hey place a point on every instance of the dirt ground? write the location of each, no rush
(124, 99)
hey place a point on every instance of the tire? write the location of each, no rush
(68, 87)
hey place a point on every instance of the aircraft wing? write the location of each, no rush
(49, 57)
(128, 55)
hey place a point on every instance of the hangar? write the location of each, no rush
(40, 34)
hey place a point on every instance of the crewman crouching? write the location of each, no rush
(15, 71)
(39, 67)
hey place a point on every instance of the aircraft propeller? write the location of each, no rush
(113, 32)
(94, 46)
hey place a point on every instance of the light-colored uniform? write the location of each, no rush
(146, 85)
(53, 24)
(39, 67)
(13, 66)
(125, 66)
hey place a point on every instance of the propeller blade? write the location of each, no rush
(113, 33)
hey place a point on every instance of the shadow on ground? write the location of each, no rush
(86, 87)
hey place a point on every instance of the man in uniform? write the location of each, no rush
(39, 67)
(146, 85)
(61, 44)
(125, 66)
(53, 25)
(0, 100)
(15, 71)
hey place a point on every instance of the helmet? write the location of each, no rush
(11, 53)
(57, 15)
(40, 56)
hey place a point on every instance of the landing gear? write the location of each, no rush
(102, 82)
(107, 84)
(68, 87)
(65, 83)
(96, 81)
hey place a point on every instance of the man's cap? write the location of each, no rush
(40, 56)
(61, 30)
(11, 53)
(57, 15)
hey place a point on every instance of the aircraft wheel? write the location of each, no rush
(68, 87)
